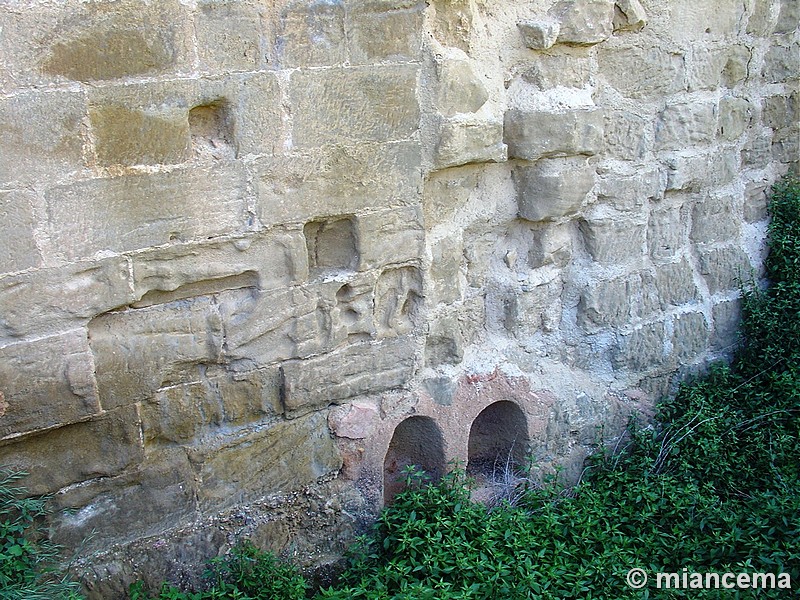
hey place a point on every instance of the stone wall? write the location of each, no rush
(243, 241)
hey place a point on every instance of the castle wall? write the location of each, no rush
(242, 241)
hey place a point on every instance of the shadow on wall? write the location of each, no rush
(498, 440)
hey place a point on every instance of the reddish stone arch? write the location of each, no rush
(416, 441)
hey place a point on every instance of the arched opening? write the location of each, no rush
(416, 441)
(498, 441)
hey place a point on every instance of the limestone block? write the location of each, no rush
(533, 134)
(551, 70)
(625, 135)
(642, 350)
(138, 351)
(786, 145)
(782, 61)
(248, 396)
(726, 317)
(357, 104)
(354, 421)
(253, 104)
(609, 303)
(714, 219)
(453, 21)
(689, 337)
(692, 21)
(45, 383)
(50, 300)
(390, 237)
(18, 249)
(760, 22)
(695, 172)
(283, 457)
(458, 89)
(682, 126)
(675, 283)
(788, 18)
(445, 192)
(444, 344)
(629, 15)
(755, 201)
(262, 327)
(540, 34)
(355, 370)
(666, 233)
(757, 149)
(586, 22)
(627, 192)
(136, 211)
(102, 447)
(612, 240)
(445, 272)
(734, 117)
(780, 111)
(537, 308)
(229, 36)
(704, 69)
(641, 72)
(159, 495)
(384, 33)
(311, 35)
(551, 245)
(268, 261)
(398, 301)
(736, 67)
(725, 269)
(552, 188)
(177, 414)
(469, 140)
(125, 40)
(42, 135)
(127, 136)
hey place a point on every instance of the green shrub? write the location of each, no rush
(26, 555)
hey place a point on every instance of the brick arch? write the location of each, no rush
(416, 441)
(498, 436)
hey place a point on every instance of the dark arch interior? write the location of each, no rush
(416, 441)
(498, 439)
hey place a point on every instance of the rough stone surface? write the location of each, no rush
(18, 250)
(539, 35)
(584, 23)
(465, 141)
(552, 188)
(532, 135)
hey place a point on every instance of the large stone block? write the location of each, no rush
(354, 104)
(104, 446)
(683, 126)
(755, 201)
(628, 192)
(533, 134)
(610, 303)
(445, 272)
(666, 233)
(646, 72)
(613, 240)
(444, 344)
(45, 383)
(267, 261)
(629, 15)
(780, 111)
(159, 495)
(458, 89)
(337, 181)
(311, 35)
(366, 368)
(42, 135)
(248, 396)
(547, 71)
(46, 301)
(715, 219)
(552, 188)
(229, 36)
(675, 283)
(757, 149)
(642, 350)
(126, 39)
(734, 117)
(737, 65)
(725, 269)
(788, 17)
(453, 22)
(692, 172)
(551, 245)
(689, 336)
(385, 33)
(726, 317)
(536, 308)
(283, 457)
(18, 249)
(138, 351)
(445, 192)
(539, 34)
(469, 140)
(584, 22)
(626, 135)
(136, 211)
(398, 301)
(691, 21)
(179, 414)
(390, 237)
(782, 60)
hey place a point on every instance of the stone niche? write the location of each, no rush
(246, 279)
